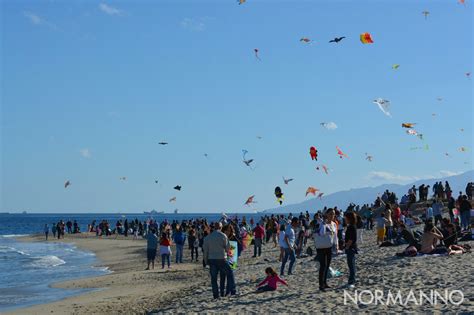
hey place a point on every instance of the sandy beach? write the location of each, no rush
(129, 289)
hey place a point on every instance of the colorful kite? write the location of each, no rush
(313, 153)
(67, 183)
(286, 181)
(365, 38)
(279, 195)
(306, 40)
(233, 254)
(408, 125)
(340, 153)
(395, 66)
(337, 39)
(311, 190)
(246, 239)
(250, 200)
(462, 2)
(329, 125)
(241, 1)
(412, 132)
(256, 54)
(384, 105)
(425, 13)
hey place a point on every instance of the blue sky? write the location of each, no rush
(89, 88)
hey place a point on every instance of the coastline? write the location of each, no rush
(129, 289)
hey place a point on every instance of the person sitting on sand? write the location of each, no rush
(165, 250)
(408, 236)
(151, 248)
(429, 240)
(272, 279)
(450, 240)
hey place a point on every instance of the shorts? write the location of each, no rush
(151, 253)
(380, 233)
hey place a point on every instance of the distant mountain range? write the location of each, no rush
(361, 196)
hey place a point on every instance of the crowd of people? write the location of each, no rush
(330, 231)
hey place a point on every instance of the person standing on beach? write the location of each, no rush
(437, 210)
(351, 246)
(325, 238)
(215, 248)
(53, 229)
(381, 223)
(258, 233)
(289, 247)
(179, 239)
(151, 248)
(46, 230)
(165, 250)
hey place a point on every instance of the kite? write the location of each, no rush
(279, 194)
(177, 187)
(395, 66)
(463, 149)
(320, 196)
(462, 2)
(462, 129)
(306, 40)
(259, 137)
(156, 181)
(325, 169)
(439, 99)
(311, 190)
(256, 54)
(67, 183)
(246, 239)
(420, 135)
(314, 153)
(368, 157)
(408, 125)
(468, 75)
(412, 132)
(340, 153)
(425, 147)
(447, 154)
(163, 143)
(123, 178)
(206, 155)
(286, 181)
(337, 39)
(433, 114)
(173, 199)
(246, 162)
(241, 1)
(384, 106)
(365, 38)
(329, 125)
(425, 13)
(250, 200)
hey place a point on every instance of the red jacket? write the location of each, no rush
(259, 232)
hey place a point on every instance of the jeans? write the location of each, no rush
(163, 258)
(389, 233)
(257, 247)
(194, 250)
(324, 258)
(465, 218)
(289, 253)
(437, 218)
(179, 253)
(230, 289)
(217, 267)
(351, 263)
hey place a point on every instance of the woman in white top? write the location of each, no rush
(281, 240)
(327, 235)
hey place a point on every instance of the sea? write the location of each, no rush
(28, 269)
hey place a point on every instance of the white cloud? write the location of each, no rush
(109, 10)
(193, 24)
(86, 153)
(37, 20)
(449, 173)
(381, 175)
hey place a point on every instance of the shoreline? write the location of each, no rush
(128, 288)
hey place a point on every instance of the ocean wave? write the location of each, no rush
(13, 235)
(8, 249)
(47, 261)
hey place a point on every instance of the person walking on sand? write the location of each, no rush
(151, 248)
(351, 246)
(258, 233)
(289, 246)
(272, 279)
(325, 238)
(165, 250)
(46, 231)
(215, 248)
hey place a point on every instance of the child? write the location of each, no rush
(165, 250)
(272, 279)
(381, 222)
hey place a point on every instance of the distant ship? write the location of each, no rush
(24, 212)
(153, 212)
